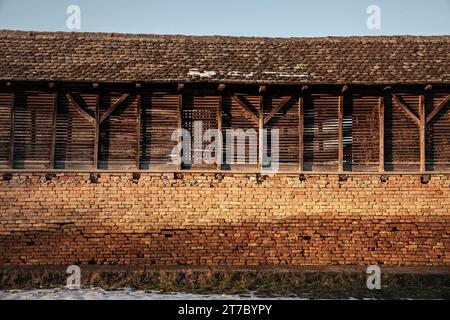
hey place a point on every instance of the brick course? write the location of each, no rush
(203, 219)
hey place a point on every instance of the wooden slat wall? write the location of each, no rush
(233, 117)
(204, 109)
(117, 145)
(361, 128)
(75, 135)
(320, 134)
(438, 134)
(402, 140)
(286, 121)
(33, 129)
(159, 118)
(6, 100)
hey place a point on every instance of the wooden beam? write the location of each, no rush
(341, 134)
(180, 126)
(97, 130)
(438, 109)
(246, 109)
(180, 88)
(111, 108)
(406, 109)
(219, 155)
(300, 133)
(52, 150)
(422, 132)
(11, 133)
(260, 132)
(221, 87)
(86, 115)
(278, 108)
(138, 130)
(381, 142)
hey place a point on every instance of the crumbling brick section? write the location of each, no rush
(235, 220)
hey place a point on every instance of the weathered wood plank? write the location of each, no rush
(341, 134)
(260, 132)
(300, 133)
(138, 130)
(422, 132)
(219, 129)
(53, 142)
(381, 142)
(97, 130)
(11, 133)
(180, 126)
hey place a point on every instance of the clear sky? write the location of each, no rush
(281, 18)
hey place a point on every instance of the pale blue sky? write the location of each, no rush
(282, 18)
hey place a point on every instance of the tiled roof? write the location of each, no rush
(160, 58)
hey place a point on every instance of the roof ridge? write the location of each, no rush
(138, 36)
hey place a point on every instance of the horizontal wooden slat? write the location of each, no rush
(74, 133)
(321, 132)
(33, 129)
(361, 132)
(159, 119)
(402, 143)
(6, 100)
(437, 133)
(285, 120)
(117, 147)
(120, 131)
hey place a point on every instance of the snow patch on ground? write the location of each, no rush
(121, 294)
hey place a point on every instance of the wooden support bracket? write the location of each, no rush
(276, 109)
(122, 98)
(87, 116)
(246, 109)
(406, 109)
(438, 109)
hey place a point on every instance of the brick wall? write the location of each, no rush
(232, 219)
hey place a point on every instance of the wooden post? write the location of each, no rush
(381, 142)
(260, 132)
(180, 125)
(341, 133)
(138, 130)
(300, 133)
(422, 130)
(220, 137)
(11, 133)
(52, 151)
(97, 130)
